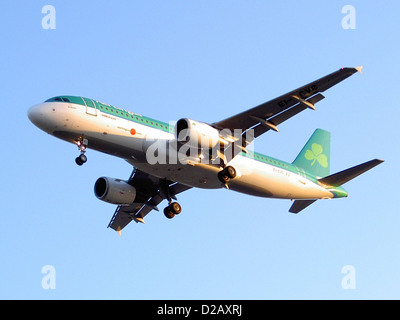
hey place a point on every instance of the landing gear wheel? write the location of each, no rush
(175, 208)
(81, 160)
(168, 213)
(230, 172)
(227, 174)
(78, 161)
(223, 177)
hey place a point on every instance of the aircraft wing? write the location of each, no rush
(270, 114)
(150, 192)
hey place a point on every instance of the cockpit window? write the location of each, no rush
(69, 99)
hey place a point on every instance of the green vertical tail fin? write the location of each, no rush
(315, 155)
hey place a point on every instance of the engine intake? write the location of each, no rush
(196, 134)
(114, 191)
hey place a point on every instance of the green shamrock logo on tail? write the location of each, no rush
(315, 154)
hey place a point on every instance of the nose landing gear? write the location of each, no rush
(82, 145)
(81, 160)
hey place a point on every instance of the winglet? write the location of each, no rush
(359, 69)
(119, 232)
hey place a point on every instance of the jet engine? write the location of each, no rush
(196, 134)
(114, 191)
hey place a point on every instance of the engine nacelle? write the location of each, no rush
(196, 134)
(114, 191)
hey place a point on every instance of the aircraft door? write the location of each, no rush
(90, 107)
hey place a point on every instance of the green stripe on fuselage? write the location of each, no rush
(114, 111)
(149, 122)
(280, 164)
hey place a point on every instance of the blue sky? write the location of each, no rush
(205, 60)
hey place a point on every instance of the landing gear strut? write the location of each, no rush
(173, 209)
(82, 145)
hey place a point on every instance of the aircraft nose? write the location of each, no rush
(38, 114)
(34, 114)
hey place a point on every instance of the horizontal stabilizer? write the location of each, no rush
(340, 178)
(299, 205)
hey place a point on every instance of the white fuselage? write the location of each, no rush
(134, 142)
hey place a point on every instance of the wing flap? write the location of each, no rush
(123, 216)
(285, 115)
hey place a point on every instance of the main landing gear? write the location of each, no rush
(82, 145)
(173, 209)
(226, 175)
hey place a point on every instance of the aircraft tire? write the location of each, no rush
(168, 213)
(223, 177)
(83, 158)
(175, 208)
(230, 172)
(78, 161)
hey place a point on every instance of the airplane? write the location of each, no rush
(170, 158)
